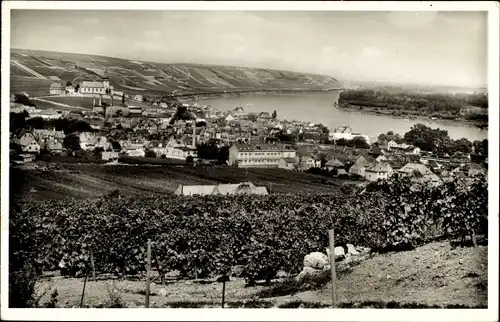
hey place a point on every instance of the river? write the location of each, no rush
(318, 108)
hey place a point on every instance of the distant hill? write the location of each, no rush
(33, 71)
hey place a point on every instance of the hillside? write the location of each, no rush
(92, 180)
(34, 71)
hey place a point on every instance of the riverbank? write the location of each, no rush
(256, 93)
(373, 111)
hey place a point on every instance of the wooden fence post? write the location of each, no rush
(92, 264)
(148, 273)
(332, 267)
(83, 291)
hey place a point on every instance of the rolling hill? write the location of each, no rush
(33, 71)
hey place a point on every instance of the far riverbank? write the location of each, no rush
(213, 95)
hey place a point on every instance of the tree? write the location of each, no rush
(68, 83)
(342, 142)
(72, 141)
(253, 117)
(150, 154)
(98, 152)
(390, 136)
(223, 154)
(189, 159)
(123, 98)
(481, 147)
(16, 147)
(77, 87)
(35, 123)
(18, 121)
(23, 99)
(208, 151)
(462, 145)
(428, 139)
(116, 145)
(285, 137)
(275, 114)
(79, 126)
(359, 142)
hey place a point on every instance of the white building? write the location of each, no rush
(259, 155)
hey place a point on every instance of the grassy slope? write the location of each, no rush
(434, 274)
(155, 78)
(87, 180)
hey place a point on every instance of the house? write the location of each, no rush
(116, 110)
(307, 162)
(134, 152)
(44, 135)
(287, 163)
(381, 170)
(434, 165)
(419, 172)
(138, 98)
(28, 143)
(264, 116)
(334, 164)
(221, 189)
(24, 158)
(55, 147)
(101, 142)
(345, 132)
(70, 89)
(471, 169)
(357, 170)
(460, 158)
(134, 111)
(261, 155)
(48, 114)
(87, 140)
(360, 165)
(96, 87)
(109, 155)
(57, 89)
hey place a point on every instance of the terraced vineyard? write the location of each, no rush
(153, 78)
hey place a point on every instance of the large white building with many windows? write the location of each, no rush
(259, 155)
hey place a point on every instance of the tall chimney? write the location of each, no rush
(194, 133)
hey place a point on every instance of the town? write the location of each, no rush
(122, 125)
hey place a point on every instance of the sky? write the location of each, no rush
(433, 48)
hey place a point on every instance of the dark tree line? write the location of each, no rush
(437, 140)
(425, 104)
(20, 121)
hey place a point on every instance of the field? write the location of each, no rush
(154, 78)
(90, 180)
(434, 274)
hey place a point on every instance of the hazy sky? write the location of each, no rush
(447, 48)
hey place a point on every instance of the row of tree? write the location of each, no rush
(435, 140)
(425, 104)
